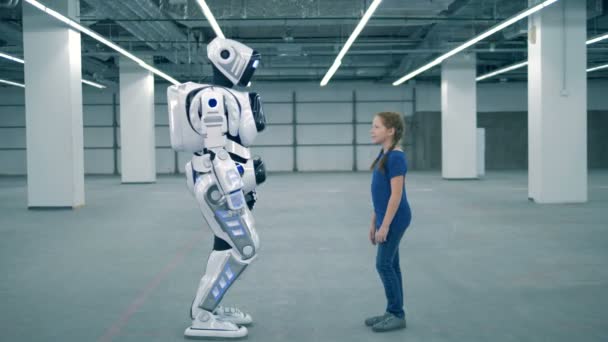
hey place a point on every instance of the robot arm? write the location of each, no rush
(229, 180)
(254, 174)
(215, 124)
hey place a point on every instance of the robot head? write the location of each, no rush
(233, 63)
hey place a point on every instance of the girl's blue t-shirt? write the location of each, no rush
(396, 165)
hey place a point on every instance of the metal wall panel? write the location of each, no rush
(366, 156)
(12, 138)
(95, 137)
(275, 135)
(161, 114)
(325, 134)
(330, 158)
(324, 112)
(165, 160)
(12, 115)
(13, 162)
(162, 136)
(367, 110)
(98, 115)
(275, 158)
(278, 113)
(99, 161)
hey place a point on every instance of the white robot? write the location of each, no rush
(217, 124)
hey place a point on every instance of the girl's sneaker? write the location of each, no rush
(390, 323)
(376, 319)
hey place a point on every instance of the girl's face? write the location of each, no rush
(380, 134)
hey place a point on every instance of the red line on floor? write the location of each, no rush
(140, 300)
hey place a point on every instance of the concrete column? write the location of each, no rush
(459, 117)
(53, 108)
(557, 104)
(137, 142)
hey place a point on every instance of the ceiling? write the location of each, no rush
(299, 39)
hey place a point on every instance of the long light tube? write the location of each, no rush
(503, 70)
(475, 40)
(100, 39)
(93, 84)
(332, 70)
(523, 64)
(599, 67)
(334, 67)
(12, 83)
(12, 58)
(597, 39)
(211, 18)
(19, 60)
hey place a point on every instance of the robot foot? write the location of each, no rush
(209, 326)
(232, 314)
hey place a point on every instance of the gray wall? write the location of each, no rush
(309, 128)
(314, 129)
(506, 140)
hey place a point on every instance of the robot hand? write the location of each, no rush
(251, 198)
(259, 170)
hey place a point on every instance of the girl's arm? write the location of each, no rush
(372, 229)
(394, 201)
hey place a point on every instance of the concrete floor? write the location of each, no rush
(481, 262)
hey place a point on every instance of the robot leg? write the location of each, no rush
(236, 227)
(223, 267)
(229, 313)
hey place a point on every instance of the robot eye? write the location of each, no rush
(225, 54)
(212, 103)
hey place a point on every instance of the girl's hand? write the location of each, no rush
(381, 234)
(372, 234)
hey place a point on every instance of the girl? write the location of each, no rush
(391, 216)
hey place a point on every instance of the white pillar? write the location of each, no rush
(137, 142)
(53, 108)
(459, 117)
(557, 104)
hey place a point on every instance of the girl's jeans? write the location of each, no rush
(387, 265)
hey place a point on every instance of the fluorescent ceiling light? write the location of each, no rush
(100, 39)
(597, 39)
(19, 60)
(475, 40)
(599, 67)
(503, 70)
(93, 84)
(520, 65)
(12, 83)
(12, 58)
(211, 18)
(96, 85)
(332, 70)
(523, 64)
